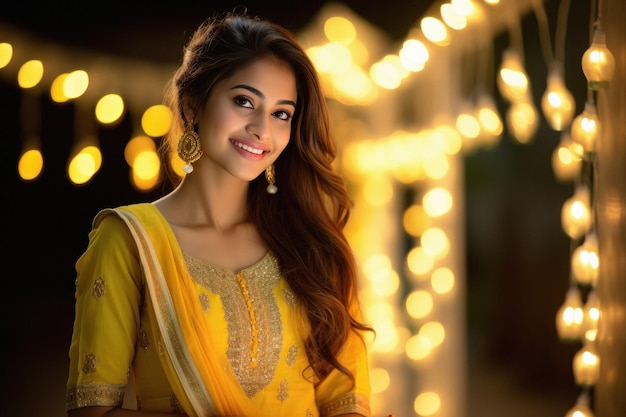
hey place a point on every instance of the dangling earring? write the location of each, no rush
(270, 176)
(189, 149)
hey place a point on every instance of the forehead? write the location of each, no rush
(272, 77)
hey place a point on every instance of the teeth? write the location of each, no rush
(249, 149)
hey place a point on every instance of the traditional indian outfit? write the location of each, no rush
(194, 337)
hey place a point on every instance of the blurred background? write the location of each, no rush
(457, 226)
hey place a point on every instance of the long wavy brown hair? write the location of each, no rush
(303, 223)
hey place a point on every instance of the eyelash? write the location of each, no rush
(242, 100)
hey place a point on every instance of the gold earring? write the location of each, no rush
(189, 149)
(270, 176)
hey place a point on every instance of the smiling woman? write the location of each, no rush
(225, 297)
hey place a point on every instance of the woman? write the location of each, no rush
(234, 294)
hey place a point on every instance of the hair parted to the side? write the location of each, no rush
(303, 223)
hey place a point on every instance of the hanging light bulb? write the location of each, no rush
(512, 78)
(576, 213)
(585, 261)
(557, 103)
(569, 317)
(522, 120)
(581, 409)
(490, 122)
(586, 365)
(591, 315)
(585, 128)
(598, 62)
(566, 163)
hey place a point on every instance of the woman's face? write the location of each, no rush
(246, 122)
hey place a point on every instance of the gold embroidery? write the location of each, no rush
(89, 365)
(204, 302)
(282, 394)
(346, 404)
(292, 354)
(98, 288)
(176, 408)
(289, 297)
(85, 395)
(260, 281)
(309, 413)
(254, 330)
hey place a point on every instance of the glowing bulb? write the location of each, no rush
(566, 163)
(591, 316)
(522, 120)
(581, 409)
(586, 365)
(557, 103)
(586, 128)
(576, 213)
(586, 262)
(569, 317)
(598, 62)
(512, 79)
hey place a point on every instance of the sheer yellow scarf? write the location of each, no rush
(203, 386)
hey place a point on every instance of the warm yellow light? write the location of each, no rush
(418, 347)
(333, 57)
(442, 280)
(435, 332)
(30, 74)
(427, 404)
(522, 120)
(6, 54)
(586, 365)
(437, 166)
(146, 165)
(464, 7)
(557, 103)
(452, 17)
(109, 108)
(353, 87)
(437, 202)
(30, 165)
(490, 122)
(512, 79)
(156, 120)
(413, 55)
(137, 145)
(387, 74)
(56, 89)
(419, 261)
(434, 30)
(375, 263)
(586, 128)
(581, 409)
(75, 84)
(566, 163)
(339, 29)
(384, 282)
(591, 316)
(415, 220)
(467, 125)
(377, 190)
(576, 213)
(569, 317)
(598, 62)
(449, 138)
(379, 379)
(84, 165)
(419, 304)
(585, 261)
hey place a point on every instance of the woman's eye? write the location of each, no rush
(282, 115)
(243, 101)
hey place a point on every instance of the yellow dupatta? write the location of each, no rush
(202, 385)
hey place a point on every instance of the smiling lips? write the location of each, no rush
(248, 151)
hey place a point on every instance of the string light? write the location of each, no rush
(586, 128)
(598, 62)
(569, 317)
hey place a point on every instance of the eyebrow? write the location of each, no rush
(261, 95)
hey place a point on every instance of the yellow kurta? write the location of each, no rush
(248, 321)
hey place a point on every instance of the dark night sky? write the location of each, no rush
(48, 220)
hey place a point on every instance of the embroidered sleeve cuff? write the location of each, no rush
(349, 403)
(91, 394)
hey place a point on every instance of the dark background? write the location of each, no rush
(517, 254)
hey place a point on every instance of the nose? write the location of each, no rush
(259, 126)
